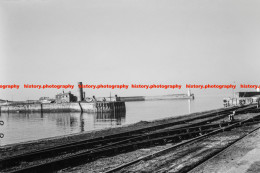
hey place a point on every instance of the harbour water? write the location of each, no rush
(21, 127)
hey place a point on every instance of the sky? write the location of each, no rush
(128, 42)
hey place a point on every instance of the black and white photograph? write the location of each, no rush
(129, 86)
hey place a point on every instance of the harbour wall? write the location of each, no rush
(66, 107)
(169, 97)
(131, 99)
(150, 98)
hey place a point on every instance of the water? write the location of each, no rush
(20, 127)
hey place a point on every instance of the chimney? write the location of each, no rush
(80, 91)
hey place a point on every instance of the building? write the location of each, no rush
(247, 94)
(65, 98)
(242, 98)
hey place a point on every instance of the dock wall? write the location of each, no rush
(173, 97)
(150, 98)
(131, 99)
(66, 107)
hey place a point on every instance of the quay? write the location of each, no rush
(116, 106)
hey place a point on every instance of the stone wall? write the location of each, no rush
(66, 107)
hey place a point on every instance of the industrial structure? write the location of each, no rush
(242, 98)
(65, 98)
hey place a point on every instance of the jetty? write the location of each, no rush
(152, 98)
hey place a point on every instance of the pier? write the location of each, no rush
(116, 106)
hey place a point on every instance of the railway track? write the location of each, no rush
(222, 150)
(118, 143)
(160, 153)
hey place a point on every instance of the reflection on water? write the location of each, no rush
(189, 106)
(20, 127)
(103, 120)
(147, 111)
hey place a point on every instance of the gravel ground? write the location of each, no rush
(107, 163)
(242, 157)
(184, 158)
